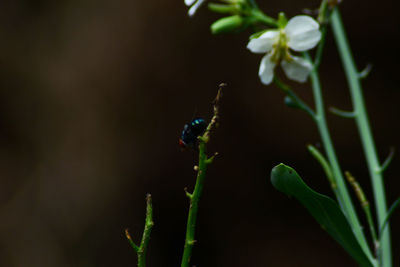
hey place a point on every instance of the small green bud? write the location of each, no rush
(223, 9)
(227, 24)
(291, 103)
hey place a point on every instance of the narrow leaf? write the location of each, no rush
(324, 210)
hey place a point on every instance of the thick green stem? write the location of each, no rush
(365, 132)
(343, 194)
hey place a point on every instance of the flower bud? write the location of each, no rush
(291, 103)
(227, 24)
(223, 9)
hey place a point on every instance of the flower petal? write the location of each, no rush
(194, 8)
(263, 43)
(303, 33)
(266, 71)
(297, 70)
(189, 2)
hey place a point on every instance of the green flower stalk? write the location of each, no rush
(364, 129)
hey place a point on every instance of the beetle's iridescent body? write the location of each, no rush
(191, 131)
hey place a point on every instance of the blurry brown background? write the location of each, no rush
(93, 97)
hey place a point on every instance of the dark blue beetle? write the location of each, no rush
(191, 131)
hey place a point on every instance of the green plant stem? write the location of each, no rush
(389, 214)
(320, 48)
(289, 92)
(194, 197)
(370, 220)
(365, 133)
(194, 205)
(259, 16)
(142, 249)
(325, 166)
(344, 197)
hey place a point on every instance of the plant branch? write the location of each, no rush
(343, 194)
(365, 133)
(194, 197)
(142, 249)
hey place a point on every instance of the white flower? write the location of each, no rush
(194, 5)
(301, 33)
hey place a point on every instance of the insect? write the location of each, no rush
(191, 131)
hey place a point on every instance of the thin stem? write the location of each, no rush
(344, 197)
(130, 240)
(389, 214)
(325, 166)
(194, 205)
(387, 161)
(365, 133)
(142, 249)
(198, 189)
(320, 48)
(293, 97)
(323, 12)
(259, 16)
(323, 17)
(262, 18)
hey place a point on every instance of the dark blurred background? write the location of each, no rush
(94, 95)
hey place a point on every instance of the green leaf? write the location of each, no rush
(322, 208)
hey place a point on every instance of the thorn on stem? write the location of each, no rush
(191, 242)
(211, 159)
(189, 195)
